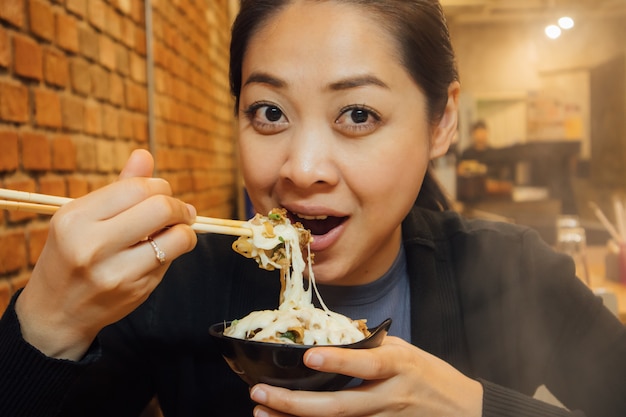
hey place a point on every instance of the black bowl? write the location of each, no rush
(281, 364)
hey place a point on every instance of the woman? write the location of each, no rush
(341, 104)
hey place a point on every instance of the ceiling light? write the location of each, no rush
(553, 31)
(566, 22)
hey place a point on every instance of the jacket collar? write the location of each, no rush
(436, 317)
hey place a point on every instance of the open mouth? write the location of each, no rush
(318, 225)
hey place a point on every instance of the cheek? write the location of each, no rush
(259, 174)
(395, 177)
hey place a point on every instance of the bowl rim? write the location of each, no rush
(384, 325)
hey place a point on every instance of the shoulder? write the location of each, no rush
(436, 227)
(482, 245)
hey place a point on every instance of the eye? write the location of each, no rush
(357, 120)
(266, 118)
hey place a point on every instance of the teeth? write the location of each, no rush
(305, 217)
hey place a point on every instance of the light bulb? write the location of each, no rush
(566, 22)
(553, 31)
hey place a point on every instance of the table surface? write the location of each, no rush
(598, 281)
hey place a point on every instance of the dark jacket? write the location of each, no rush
(491, 299)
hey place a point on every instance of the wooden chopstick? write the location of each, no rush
(48, 204)
(29, 207)
(33, 197)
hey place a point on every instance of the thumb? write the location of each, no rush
(140, 164)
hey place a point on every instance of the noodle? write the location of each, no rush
(277, 244)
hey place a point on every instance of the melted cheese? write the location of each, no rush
(278, 246)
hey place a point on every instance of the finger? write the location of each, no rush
(368, 364)
(114, 198)
(260, 411)
(142, 268)
(163, 247)
(139, 164)
(146, 218)
(345, 403)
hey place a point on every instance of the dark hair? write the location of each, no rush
(419, 27)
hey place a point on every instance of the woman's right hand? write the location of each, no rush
(96, 266)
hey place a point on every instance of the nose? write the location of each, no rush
(311, 158)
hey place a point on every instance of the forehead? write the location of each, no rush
(342, 37)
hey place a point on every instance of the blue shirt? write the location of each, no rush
(387, 297)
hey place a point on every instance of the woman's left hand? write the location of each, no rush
(399, 380)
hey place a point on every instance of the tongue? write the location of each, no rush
(321, 227)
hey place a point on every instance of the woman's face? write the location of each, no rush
(333, 129)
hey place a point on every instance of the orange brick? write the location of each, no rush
(98, 182)
(47, 108)
(5, 295)
(28, 57)
(113, 23)
(55, 67)
(12, 11)
(140, 41)
(88, 43)
(116, 89)
(161, 133)
(80, 76)
(110, 122)
(72, 113)
(160, 54)
(122, 6)
(175, 135)
(127, 32)
(99, 82)
(105, 156)
(35, 151)
(122, 59)
(41, 19)
(136, 98)
(107, 52)
(5, 48)
(77, 187)
(126, 125)
(52, 185)
(122, 151)
(12, 251)
(136, 12)
(36, 241)
(140, 128)
(85, 154)
(9, 155)
(67, 33)
(161, 80)
(63, 153)
(138, 68)
(20, 185)
(93, 118)
(78, 7)
(14, 102)
(19, 282)
(96, 13)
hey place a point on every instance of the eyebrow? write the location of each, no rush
(264, 78)
(344, 84)
(358, 81)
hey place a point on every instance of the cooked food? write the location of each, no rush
(278, 244)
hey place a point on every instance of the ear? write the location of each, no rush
(444, 131)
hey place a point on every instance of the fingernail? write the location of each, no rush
(192, 211)
(260, 413)
(314, 360)
(258, 394)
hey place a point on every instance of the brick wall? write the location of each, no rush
(74, 102)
